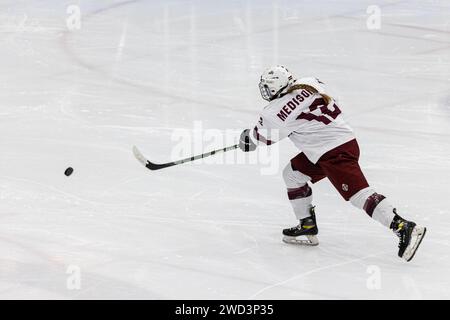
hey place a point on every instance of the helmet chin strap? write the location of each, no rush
(280, 93)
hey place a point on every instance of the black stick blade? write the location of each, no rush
(150, 165)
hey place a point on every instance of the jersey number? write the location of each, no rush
(326, 113)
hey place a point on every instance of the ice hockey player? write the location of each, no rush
(303, 110)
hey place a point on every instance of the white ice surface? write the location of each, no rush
(135, 71)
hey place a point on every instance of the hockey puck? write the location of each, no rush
(68, 171)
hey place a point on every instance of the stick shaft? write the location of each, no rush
(207, 154)
(157, 166)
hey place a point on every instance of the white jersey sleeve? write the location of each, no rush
(311, 123)
(267, 131)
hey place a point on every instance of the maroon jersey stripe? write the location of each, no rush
(261, 138)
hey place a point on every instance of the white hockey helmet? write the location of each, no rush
(274, 82)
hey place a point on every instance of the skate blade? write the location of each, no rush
(416, 239)
(310, 240)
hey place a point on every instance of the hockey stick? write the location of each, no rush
(155, 166)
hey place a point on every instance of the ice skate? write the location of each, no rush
(410, 235)
(305, 233)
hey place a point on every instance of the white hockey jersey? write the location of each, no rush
(304, 116)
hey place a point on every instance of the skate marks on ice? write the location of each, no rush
(145, 87)
(232, 245)
(27, 272)
(282, 284)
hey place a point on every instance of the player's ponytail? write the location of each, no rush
(309, 89)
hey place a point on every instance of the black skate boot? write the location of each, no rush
(307, 228)
(410, 235)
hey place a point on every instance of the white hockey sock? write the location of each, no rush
(299, 192)
(301, 206)
(375, 205)
(384, 213)
(301, 201)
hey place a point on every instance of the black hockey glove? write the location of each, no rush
(245, 143)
